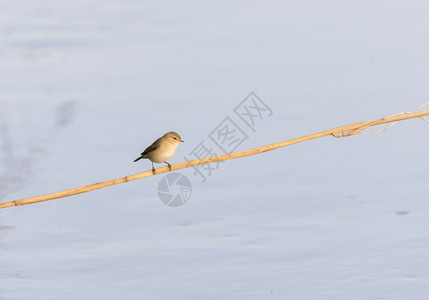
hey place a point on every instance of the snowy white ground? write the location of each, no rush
(86, 85)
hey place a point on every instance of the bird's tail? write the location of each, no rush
(138, 158)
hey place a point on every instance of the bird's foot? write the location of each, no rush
(169, 166)
(153, 171)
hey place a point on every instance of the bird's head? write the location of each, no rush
(173, 137)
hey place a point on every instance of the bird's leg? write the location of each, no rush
(169, 166)
(153, 169)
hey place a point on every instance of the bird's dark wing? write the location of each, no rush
(151, 147)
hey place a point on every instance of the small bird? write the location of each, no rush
(162, 149)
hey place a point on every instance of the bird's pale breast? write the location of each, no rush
(163, 153)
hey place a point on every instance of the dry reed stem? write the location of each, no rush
(342, 131)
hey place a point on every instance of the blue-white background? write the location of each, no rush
(85, 86)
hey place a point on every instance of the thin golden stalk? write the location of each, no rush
(341, 131)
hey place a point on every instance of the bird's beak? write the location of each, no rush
(182, 141)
